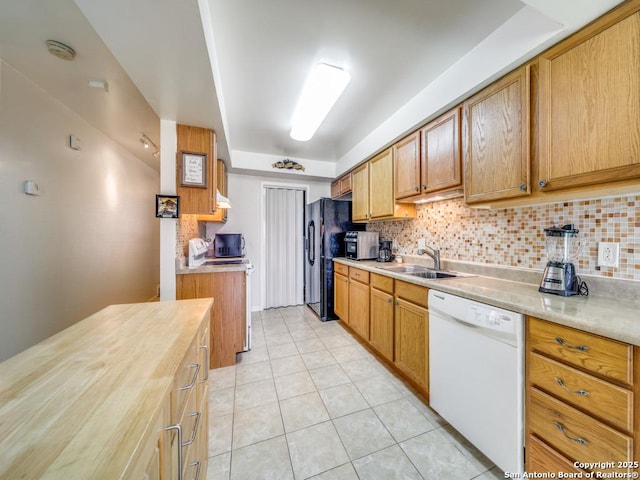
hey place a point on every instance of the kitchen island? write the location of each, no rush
(94, 400)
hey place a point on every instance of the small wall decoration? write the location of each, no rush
(194, 170)
(167, 206)
(288, 164)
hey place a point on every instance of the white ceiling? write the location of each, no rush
(238, 66)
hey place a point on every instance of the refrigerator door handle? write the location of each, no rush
(311, 236)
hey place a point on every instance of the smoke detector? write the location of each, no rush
(60, 50)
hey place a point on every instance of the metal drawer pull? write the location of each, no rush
(581, 348)
(579, 440)
(559, 381)
(198, 465)
(178, 427)
(207, 358)
(195, 429)
(195, 377)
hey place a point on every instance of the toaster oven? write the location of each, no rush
(361, 245)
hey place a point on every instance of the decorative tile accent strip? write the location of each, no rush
(515, 236)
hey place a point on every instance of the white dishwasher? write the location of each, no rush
(476, 375)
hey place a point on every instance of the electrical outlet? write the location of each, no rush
(422, 243)
(608, 254)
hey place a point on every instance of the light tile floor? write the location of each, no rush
(308, 401)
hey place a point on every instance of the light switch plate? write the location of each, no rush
(608, 254)
(422, 243)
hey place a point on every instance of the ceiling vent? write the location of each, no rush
(61, 50)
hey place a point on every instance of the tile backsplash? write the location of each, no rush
(515, 236)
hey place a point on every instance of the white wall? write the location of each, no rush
(246, 217)
(90, 239)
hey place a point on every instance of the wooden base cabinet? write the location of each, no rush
(341, 291)
(228, 316)
(412, 335)
(581, 396)
(359, 301)
(381, 318)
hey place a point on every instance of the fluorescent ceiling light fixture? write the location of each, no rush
(322, 89)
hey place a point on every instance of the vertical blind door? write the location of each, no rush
(284, 247)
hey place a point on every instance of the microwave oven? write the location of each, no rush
(228, 245)
(361, 245)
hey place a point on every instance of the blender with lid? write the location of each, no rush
(563, 246)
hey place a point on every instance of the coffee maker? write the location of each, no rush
(563, 246)
(384, 251)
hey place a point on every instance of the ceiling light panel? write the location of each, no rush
(322, 89)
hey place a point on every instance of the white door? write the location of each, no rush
(284, 246)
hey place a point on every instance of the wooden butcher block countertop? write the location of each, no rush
(79, 404)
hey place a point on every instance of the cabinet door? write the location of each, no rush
(407, 170)
(441, 160)
(381, 198)
(228, 315)
(496, 140)
(590, 105)
(412, 341)
(360, 194)
(220, 214)
(381, 323)
(359, 308)
(190, 139)
(341, 297)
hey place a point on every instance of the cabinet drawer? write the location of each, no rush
(341, 268)
(382, 282)
(602, 356)
(411, 292)
(611, 403)
(361, 276)
(541, 458)
(575, 434)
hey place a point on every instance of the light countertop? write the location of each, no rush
(617, 318)
(182, 269)
(77, 404)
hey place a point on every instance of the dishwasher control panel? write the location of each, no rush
(475, 313)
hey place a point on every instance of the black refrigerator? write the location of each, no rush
(327, 221)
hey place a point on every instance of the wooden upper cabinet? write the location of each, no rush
(441, 159)
(589, 100)
(341, 186)
(360, 194)
(407, 156)
(429, 160)
(195, 200)
(220, 214)
(381, 198)
(496, 140)
(372, 193)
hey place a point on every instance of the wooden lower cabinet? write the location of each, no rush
(359, 302)
(228, 316)
(341, 295)
(412, 341)
(580, 400)
(381, 321)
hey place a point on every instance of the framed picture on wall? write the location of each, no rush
(167, 206)
(194, 170)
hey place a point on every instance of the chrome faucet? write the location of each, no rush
(435, 254)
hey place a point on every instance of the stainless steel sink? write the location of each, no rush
(435, 274)
(409, 268)
(424, 272)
